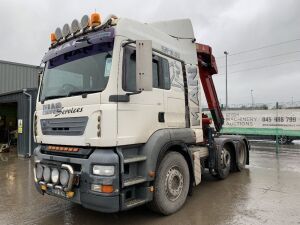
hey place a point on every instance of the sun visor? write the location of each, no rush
(178, 28)
(82, 41)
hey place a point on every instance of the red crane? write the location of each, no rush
(207, 68)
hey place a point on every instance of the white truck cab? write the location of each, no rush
(118, 119)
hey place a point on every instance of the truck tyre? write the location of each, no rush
(290, 140)
(224, 163)
(241, 157)
(171, 185)
(283, 140)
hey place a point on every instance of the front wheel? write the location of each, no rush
(171, 184)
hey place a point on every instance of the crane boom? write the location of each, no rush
(208, 67)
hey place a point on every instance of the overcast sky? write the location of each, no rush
(232, 25)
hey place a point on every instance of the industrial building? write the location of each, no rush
(18, 91)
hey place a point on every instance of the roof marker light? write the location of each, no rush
(75, 26)
(85, 21)
(66, 30)
(95, 19)
(58, 33)
(112, 18)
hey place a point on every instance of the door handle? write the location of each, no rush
(161, 117)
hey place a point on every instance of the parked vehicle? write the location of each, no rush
(118, 121)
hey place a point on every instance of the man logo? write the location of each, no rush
(52, 108)
(57, 109)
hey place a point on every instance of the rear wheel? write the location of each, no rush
(283, 140)
(224, 163)
(171, 184)
(290, 141)
(242, 157)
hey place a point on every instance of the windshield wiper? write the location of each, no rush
(53, 97)
(72, 93)
(83, 92)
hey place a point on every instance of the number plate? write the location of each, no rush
(57, 192)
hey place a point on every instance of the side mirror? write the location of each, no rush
(144, 65)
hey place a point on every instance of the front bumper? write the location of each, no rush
(103, 202)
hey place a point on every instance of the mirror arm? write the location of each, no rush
(128, 42)
(122, 98)
(133, 93)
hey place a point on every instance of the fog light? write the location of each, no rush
(75, 27)
(46, 174)
(39, 172)
(64, 177)
(66, 30)
(103, 170)
(54, 175)
(85, 21)
(58, 34)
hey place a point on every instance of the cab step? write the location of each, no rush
(133, 181)
(134, 202)
(134, 158)
(201, 151)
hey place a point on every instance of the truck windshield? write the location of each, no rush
(81, 71)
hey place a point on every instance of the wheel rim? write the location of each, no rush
(225, 158)
(174, 183)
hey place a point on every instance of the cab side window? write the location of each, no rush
(160, 68)
(165, 74)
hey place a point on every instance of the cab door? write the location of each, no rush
(174, 97)
(138, 118)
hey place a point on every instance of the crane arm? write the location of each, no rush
(208, 67)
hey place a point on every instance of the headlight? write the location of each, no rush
(64, 177)
(39, 172)
(46, 174)
(103, 170)
(54, 175)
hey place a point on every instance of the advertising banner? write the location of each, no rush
(282, 122)
(282, 118)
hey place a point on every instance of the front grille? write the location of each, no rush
(72, 126)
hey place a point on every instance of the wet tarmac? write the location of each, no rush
(267, 192)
